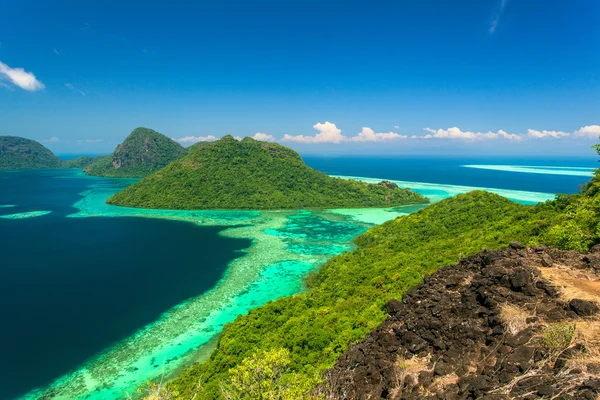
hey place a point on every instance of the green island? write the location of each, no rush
(143, 152)
(304, 334)
(20, 153)
(79, 162)
(253, 175)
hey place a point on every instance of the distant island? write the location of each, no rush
(249, 174)
(20, 153)
(142, 153)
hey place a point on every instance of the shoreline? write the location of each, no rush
(286, 245)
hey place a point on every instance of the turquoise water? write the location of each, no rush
(532, 169)
(283, 247)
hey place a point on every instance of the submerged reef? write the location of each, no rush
(533, 169)
(23, 215)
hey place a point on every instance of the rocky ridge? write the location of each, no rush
(515, 323)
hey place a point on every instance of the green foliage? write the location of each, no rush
(347, 297)
(264, 376)
(21, 153)
(79, 162)
(197, 146)
(557, 338)
(142, 153)
(247, 174)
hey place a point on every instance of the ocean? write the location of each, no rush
(85, 285)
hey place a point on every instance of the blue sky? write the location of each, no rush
(355, 77)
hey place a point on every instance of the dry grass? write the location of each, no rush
(514, 318)
(588, 334)
(404, 369)
(468, 280)
(573, 284)
(441, 382)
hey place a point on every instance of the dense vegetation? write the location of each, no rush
(79, 162)
(21, 153)
(248, 174)
(143, 152)
(347, 296)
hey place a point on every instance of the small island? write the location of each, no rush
(142, 153)
(20, 153)
(253, 175)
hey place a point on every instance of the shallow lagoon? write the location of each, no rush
(285, 246)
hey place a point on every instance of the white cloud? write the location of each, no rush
(496, 16)
(20, 77)
(53, 139)
(328, 133)
(263, 137)
(81, 141)
(396, 127)
(56, 52)
(238, 138)
(195, 139)
(456, 133)
(368, 135)
(591, 131)
(81, 92)
(532, 133)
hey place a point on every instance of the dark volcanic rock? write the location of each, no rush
(388, 184)
(454, 336)
(583, 308)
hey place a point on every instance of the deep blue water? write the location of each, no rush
(71, 287)
(448, 170)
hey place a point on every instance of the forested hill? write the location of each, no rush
(248, 174)
(143, 152)
(21, 153)
(303, 335)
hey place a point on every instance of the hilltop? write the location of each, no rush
(143, 152)
(249, 174)
(20, 153)
(518, 323)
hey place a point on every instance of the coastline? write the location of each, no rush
(286, 245)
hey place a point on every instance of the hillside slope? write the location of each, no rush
(143, 152)
(516, 323)
(248, 174)
(21, 153)
(347, 298)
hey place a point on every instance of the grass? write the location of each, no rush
(514, 318)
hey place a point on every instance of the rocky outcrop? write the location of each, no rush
(516, 323)
(388, 184)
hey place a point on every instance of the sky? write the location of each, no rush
(324, 77)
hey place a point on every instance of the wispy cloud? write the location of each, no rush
(263, 137)
(497, 15)
(75, 89)
(368, 135)
(53, 139)
(56, 52)
(590, 131)
(195, 139)
(328, 133)
(21, 78)
(457, 133)
(532, 133)
(85, 141)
